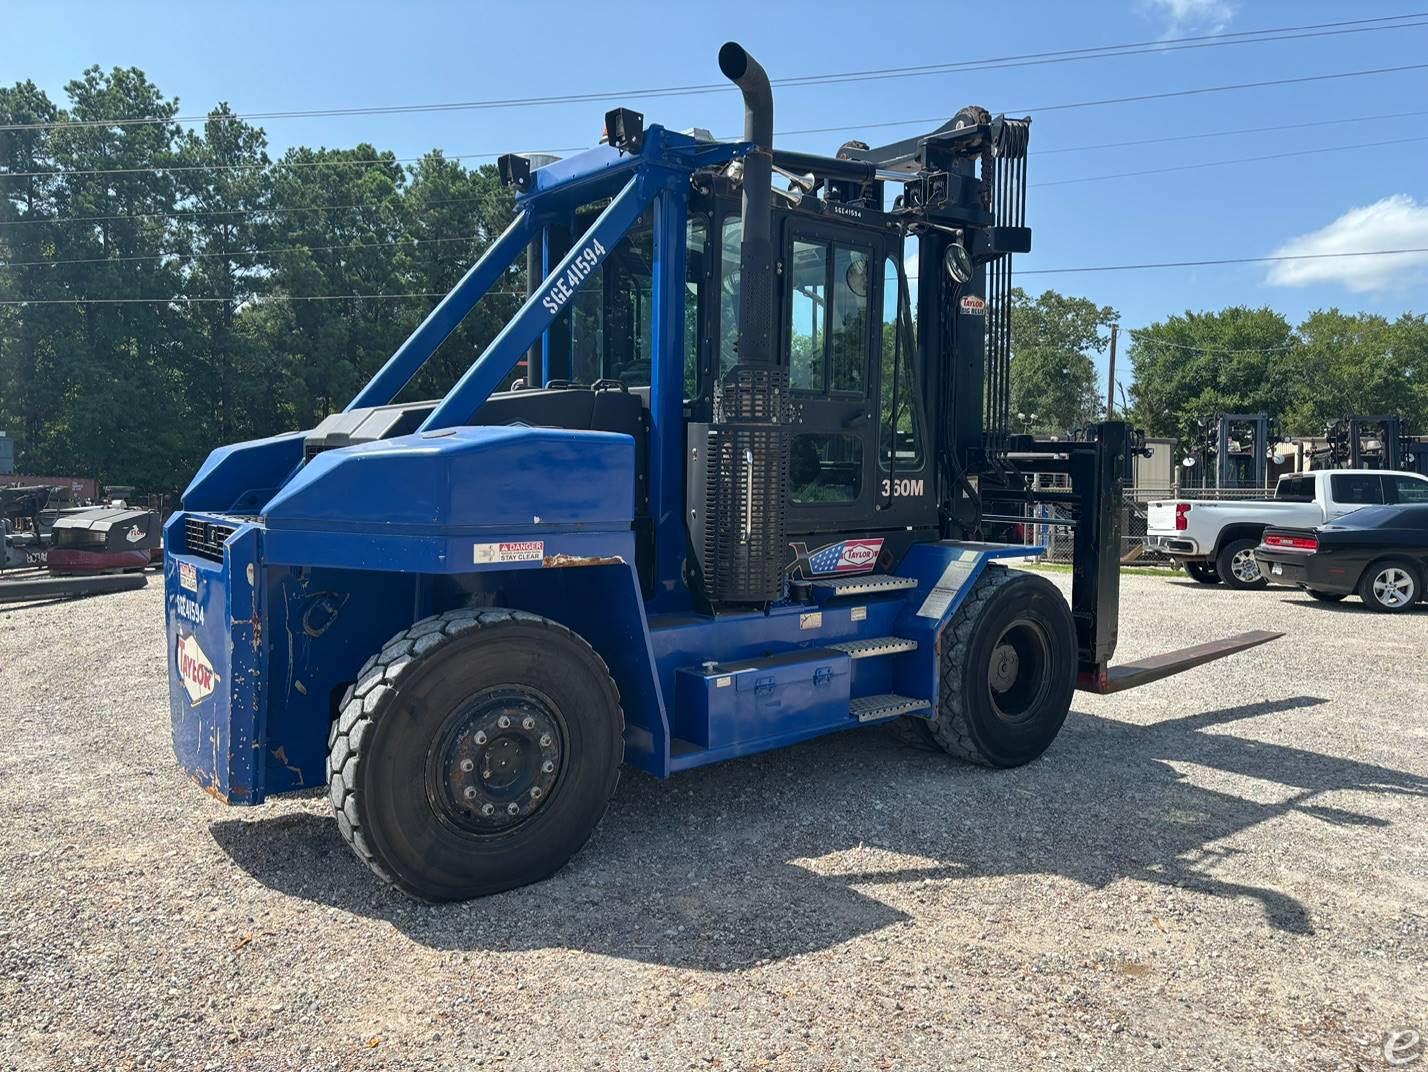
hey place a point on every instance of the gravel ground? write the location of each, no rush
(1224, 870)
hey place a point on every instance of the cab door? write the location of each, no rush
(830, 315)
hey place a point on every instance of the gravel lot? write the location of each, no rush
(1225, 870)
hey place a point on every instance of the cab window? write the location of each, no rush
(1356, 489)
(612, 316)
(1295, 489)
(897, 412)
(825, 468)
(1406, 489)
(828, 318)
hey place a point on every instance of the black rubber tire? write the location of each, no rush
(915, 733)
(1326, 597)
(968, 724)
(1375, 569)
(394, 714)
(1224, 564)
(1203, 572)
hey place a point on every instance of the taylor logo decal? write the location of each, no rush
(973, 304)
(847, 556)
(188, 576)
(194, 669)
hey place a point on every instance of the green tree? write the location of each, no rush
(1356, 364)
(1236, 360)
(1052, 373)
(114, 235)
(227, 382)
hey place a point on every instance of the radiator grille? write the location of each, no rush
(205, 538)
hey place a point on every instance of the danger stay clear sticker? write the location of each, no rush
(517, 551)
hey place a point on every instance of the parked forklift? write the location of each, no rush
(733, 503)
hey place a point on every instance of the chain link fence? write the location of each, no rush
(1041, 528)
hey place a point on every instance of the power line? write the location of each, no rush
(1232, 160)
(1228, 133)
(1034, 271)
(1227, 260)
(270, 210)
(274, 165)
(1313, 30)
(239, 253)
(1223, 89)
(254, 298)
(1214, 349)
(491, 198)
(821, 130)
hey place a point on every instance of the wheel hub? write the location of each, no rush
(1005, 664)
(1018, 674)
(1244, 566)
(500, 761)
(1393, 587)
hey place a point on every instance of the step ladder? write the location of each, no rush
(865, 584)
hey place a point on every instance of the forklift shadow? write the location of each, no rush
(803, 849)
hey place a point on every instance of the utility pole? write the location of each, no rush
(1111, 386)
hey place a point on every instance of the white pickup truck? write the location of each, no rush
(1214, 539)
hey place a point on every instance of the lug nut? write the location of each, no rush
(488, 809)
(467, 766)
(545, 740)
(535, 792)
(469, 792)
(547, 766)
(513, 808)
(503, 722)
(528, 723)
(480, 737)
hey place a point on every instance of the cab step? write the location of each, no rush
(875, 646)
(865, 585)
(868, 708)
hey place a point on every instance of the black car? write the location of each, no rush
(1380, 552)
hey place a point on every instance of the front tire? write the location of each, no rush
(1391, 586)
(476, 753)
(1237, 567)
(1008, 670)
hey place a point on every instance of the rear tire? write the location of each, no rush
(1203, 572)
(476, 752)
(1391, 585)
(1326, 597)
(1008, 670)
(1237, 567)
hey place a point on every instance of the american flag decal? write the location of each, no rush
(846, 556)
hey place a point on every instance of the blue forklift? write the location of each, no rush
(723, 483)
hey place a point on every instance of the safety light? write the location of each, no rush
(1298, 543)
(1181, 521)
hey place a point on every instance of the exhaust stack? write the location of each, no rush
(756, 251)
(741, 476)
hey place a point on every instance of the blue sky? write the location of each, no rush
(263, 56)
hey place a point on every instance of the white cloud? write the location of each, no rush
(1192, 16)
(1396, 222)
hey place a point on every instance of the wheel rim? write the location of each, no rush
(1393, 587)
(497, 760)
(1018, 672)
(1244, 567)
